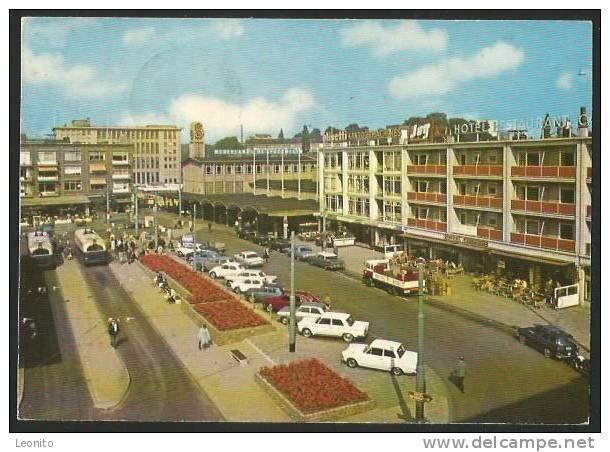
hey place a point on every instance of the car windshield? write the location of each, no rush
(350, 321)
(401, 350)
(250, 254)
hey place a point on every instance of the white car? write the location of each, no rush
(383, 355)
(268, 279)
(187, 249)
(336, 324)
(309, 310)
(226, 270)
(243, 284)
(249, 259)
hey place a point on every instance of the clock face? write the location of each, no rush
(198, 131)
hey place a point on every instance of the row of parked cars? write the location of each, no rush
(242, 274)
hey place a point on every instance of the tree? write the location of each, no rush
(305, 141)
(228, 143)
(315, 135)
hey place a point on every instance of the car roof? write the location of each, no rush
(336, 315)
(384, 343)
(327, 254)
(553, 329)
(315, 304)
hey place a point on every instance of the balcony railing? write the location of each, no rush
(426, 169)
(427, 224)
(544, 171)
(557, 208)
(541, 241)
(47, 178)
(489, 233)
(488, 202)
(120, 162)
(121, 176)
(478, 170)
(427, 197)
(121, 190)
(49, 193)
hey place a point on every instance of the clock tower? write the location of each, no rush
(197, 144)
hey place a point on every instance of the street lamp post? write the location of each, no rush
(180, 201)
(156, 220)
(420, 379)
(293, 322)
(135, 204)
(107, 204)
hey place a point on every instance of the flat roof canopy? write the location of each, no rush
(54, 201)
(273, 206)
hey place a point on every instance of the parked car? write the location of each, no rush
(249, 259)
(262, 239)
(243, 284)
(334, 324)
(301, 252)
(246, 234)
(187, 249)
(550, 340)
(327, 261)
(383, 355)
(278, 244)
(267, 279)
(259, 295)
(199, 258)
(216, 261)
(308, 309)
(224, 270)
(274, 304)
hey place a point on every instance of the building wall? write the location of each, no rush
(482, 190)
(57, 169)
(156, 148)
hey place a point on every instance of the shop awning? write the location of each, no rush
(97, 167)
(98, 181)
(537, 259)
(54, 201)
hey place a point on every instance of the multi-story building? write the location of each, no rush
(523, 206)
(58, 168)
(242, 173)
(156, 148)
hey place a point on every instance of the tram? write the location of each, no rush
(90, 247)
(40, 249)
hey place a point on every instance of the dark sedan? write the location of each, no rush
(550, 340)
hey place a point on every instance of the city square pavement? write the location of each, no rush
(233, 388)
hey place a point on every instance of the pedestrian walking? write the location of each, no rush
(266, 254)
(209, 226)
(204, 337)
(327, 301)
(460, 373)
(113, 331)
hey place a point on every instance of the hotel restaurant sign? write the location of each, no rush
(361, 135)
(464, 240)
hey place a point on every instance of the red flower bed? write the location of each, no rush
(229, 315)
(201, 289)
(220, 308)
(311, 386)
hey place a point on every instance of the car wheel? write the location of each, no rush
(522, 339)
(547, 353)
(179, 253)
(351, 363)
(237, 290)
(347, 337)
(269, 308)
(397, 371)
(306, 332)
(213, 275)
(285, 320)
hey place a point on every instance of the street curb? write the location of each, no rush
(171, 349)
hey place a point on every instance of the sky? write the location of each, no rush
(282, 74)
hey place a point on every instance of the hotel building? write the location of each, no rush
(156, 148)
(520, 206)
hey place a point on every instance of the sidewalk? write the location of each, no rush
(105, 373)
(225, 382)
(466, 300)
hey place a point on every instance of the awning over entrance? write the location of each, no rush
(54, 201)
(537, 259)
(273, 206)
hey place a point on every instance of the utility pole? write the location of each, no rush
(107, 204)
(135, 204)
(156, 219)
(180, 201)
(420, 379)
(194, 217)
(293, 321)
(299, 176)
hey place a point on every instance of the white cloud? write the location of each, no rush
(222, 118)
(564, 81)
(56, 31)
(404, 35)
(80, 81)
(449, 73)
(227, 28)
(138, 36)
